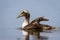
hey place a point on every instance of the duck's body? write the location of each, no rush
(33, 28)
(37, 27)
(34, 23)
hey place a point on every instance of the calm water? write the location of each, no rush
(14, 34)
(50, 35)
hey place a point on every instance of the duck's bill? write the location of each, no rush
(19, 16)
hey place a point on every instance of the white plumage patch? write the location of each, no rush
(24, 32)
(24, 24)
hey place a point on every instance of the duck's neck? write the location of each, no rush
(26, 22)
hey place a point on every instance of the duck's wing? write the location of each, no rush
(32, 28)
(50, 29)
(37, 20)
(47, 27)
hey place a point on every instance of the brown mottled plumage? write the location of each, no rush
(39, 19)
(32, 28)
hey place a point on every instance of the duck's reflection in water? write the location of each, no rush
(36, 36)
(41, 38)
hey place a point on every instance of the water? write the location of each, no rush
(53, 35)
(15, 34)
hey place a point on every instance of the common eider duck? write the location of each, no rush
(33, 24)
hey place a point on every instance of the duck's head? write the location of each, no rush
(24, 13)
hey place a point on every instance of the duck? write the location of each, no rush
(33, 26)
(35, 22)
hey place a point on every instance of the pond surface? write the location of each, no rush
(52, 35)
(14, 34)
